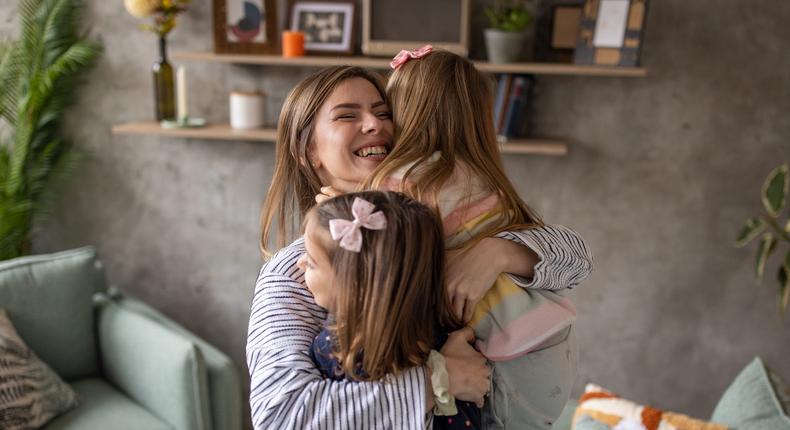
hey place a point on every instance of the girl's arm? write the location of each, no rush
(287, 391)
(549, 257)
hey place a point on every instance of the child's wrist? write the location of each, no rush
(439, 381)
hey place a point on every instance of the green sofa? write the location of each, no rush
(131, 366)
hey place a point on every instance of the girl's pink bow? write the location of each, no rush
(404, 56)
(349, 231)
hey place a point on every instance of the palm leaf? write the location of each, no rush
(40, 74)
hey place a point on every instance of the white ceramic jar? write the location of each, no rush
(246, 110)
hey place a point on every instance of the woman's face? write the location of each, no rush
(352, 134)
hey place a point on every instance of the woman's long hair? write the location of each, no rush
(390, 300)
(295, 182)
(441, 102)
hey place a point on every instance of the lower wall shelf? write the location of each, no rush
(217, 131)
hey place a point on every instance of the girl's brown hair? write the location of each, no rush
(295, 182)
(441, 102)
(390, 300)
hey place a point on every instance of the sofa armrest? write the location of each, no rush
(157, 367)
(224, 383)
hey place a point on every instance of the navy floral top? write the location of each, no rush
(468, 416)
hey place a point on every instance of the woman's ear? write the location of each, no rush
(315, 162)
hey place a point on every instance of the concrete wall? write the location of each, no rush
(662, 172)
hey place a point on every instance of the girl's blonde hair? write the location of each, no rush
(441, 102)
(390, 300)
(295, 182)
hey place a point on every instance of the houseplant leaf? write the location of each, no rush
(767, 246)
(775, 190)
(749, 231)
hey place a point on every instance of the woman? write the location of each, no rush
(334, 129)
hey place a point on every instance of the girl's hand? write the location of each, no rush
(470, 377)
(326, 193)
(471, 273)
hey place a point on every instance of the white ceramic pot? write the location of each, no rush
(246, 110)
(504, 46)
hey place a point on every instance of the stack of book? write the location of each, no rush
(512, 104)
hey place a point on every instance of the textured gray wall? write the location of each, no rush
(662, 172)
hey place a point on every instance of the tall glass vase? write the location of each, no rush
(164, 91)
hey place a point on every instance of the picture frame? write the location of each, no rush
(611, 33)
(556, 30)
(383, 34)
(245, 26)
(329, 26)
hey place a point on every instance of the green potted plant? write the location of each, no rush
(39, 76)
(507, 33)
(773, 227)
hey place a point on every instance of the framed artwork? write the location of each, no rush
(611, 32)
(329, 27)
(386, 29)
(556, 30)
(245, 26)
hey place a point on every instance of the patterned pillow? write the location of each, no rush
(31, 393)
(601, 409)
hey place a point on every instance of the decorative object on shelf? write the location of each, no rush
(506, 37)
(246, 110)
(774, 227)
(556, 30)
(512, 106)
(293, 44)
(164, 13)
(40, 73)
(183, 120)
(245, 26)
(329, 27)
(611, 32)
(386, 28)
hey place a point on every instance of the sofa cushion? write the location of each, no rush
(49, 298)
(30, 392)
(104, 407)
(756, 400)
(598, 407)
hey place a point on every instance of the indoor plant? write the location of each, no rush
(164, 13)
(507, 33)
(39, 74)
(774, 229)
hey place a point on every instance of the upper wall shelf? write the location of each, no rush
(383, 63)
(225, 132)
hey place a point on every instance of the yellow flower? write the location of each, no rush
(141, 8)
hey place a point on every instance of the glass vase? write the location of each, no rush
(164, 90)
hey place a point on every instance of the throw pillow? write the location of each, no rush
(31, 393)
(601, 409)
(756, 400)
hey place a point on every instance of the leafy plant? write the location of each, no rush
(508, 15)
(164, 13)
(772, 231)
(39, 74)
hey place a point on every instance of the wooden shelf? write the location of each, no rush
(218, 131)
(383, 63)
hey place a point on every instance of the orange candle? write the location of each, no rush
(293, 43)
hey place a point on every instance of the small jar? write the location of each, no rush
(246, 110)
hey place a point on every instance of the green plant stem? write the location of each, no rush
(775, 226)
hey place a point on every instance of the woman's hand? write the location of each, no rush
(326, 193)
(471, 273)
(470, 377)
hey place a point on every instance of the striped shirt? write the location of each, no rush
(287, 390)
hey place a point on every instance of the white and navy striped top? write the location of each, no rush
(287, 390)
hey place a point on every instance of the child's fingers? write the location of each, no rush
(458, 306)
(321, 197)
(466, 333)
(469, 310)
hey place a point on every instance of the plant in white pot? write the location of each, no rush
(506, 36)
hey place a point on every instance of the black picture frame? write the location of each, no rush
(330, 26)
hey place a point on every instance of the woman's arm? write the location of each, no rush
(287, 391)
(549, 257)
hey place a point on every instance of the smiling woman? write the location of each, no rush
(353, 133)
